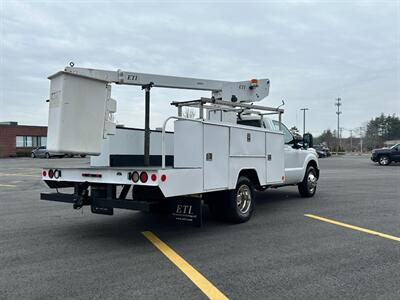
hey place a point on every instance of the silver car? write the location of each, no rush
(42, 152)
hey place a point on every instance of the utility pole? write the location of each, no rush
(338, 104)
(351, 140)
(341, 136)
(304, 119)
(361, 141)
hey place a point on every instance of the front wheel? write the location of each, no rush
(241, 201)
(384, 160)
(47, 155)
(33, 155)
(308, 186)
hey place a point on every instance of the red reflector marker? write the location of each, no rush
(163, 177)
(44, 173)
(153, 177)
(143, 177)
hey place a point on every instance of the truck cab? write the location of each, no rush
(296, 154)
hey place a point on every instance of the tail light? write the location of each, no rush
(57, 174)
(51, 173)
(44, 173)
(135, 177)
(153, 177)
(144, 177)
(163, 177)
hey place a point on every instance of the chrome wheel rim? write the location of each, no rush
(384, 160)
(311, 182)
(243, 199)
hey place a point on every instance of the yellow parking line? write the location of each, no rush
(198, 279)
(8, 185)
(386, 236)
(19, 174)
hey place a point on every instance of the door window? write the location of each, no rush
(287, 136)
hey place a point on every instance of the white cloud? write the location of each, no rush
(311, 51)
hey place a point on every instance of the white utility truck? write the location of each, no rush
(218, 159)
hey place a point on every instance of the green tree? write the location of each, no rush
(381, 129)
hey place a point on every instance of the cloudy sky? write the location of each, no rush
(313, 52)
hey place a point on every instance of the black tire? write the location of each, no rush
(33, 155)
(240, 210)
(83, 155)
(384, 160)
(47, 155)
(308, 186)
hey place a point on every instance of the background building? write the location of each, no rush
(19, 140)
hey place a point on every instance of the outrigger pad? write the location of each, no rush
(186, 210)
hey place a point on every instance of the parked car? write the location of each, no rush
(327, 151)
(322, 151)
(384, 156)
(42, 152)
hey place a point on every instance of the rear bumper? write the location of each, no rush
(100, 203)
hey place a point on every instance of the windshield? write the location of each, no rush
(395, 146)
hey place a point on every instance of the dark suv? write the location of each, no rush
(385, 156)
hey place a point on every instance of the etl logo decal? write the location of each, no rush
(186, 210)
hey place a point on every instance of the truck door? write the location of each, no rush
(216, 153)
(293, 157)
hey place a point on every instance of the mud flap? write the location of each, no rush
(186, 210)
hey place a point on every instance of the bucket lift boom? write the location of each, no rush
(81, 104)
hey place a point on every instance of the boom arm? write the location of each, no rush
(242, 91)
(81, 107)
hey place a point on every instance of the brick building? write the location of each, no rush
(19, 140)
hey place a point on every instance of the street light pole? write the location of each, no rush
(351, 140)
(304, 119)
(338, 104)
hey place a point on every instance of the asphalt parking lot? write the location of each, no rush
(50, 251)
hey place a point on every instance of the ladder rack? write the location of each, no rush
(212, 104)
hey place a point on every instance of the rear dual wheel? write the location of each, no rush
(236, 205)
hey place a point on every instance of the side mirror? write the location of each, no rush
(308, 140)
